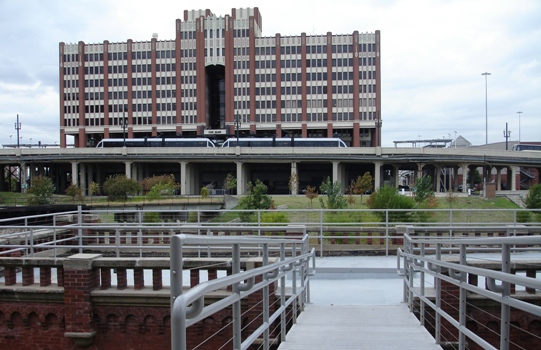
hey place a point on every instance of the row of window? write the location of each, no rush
(313, 49)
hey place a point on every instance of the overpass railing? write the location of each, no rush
(474, 292)
(269, 317)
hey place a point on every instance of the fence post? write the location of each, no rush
(80, 229)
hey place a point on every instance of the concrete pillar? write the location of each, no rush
(128, 169)
(377, 175)
(396, 171)
(241, 179)
(465, 167)
(515, 173)
(83, 185)
(295, 186)
(75, 173)
(23, 168)
(437, 174)
(498, 178)
(183, 178)
(338, 175)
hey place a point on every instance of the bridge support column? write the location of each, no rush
(22, 176)
(185, 179)
(128, 169)
(338, 175)
(515, 173)
(83, 185)
(437, 177)
(396, 171)
(377, 175)
(75, 173)
(498, 178)
(465, 167)
(295, 185)
(241, 178)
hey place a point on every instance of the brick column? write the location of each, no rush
(79, 280)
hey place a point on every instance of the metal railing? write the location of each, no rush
(459, 266)
(329, 230)
(291, 264)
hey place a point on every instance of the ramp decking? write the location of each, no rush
(357, 327)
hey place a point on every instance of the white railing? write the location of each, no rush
(291, 266)
(448, 303)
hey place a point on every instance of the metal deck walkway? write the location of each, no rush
(357, 327)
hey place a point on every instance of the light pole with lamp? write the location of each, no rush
(237, 126)
(519, 113)
(486, 74)
(18, 127)
(506, 134)
(123, 123)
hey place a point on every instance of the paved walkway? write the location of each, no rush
(356, 303)
(357, 327)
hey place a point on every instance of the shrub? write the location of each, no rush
(274, 217)
(41, 191)
(152, 217)
(119, 187)
(423, 189)
(74, 191)
(389, 198)
(533, 198)
(204, 192)
(335, 199)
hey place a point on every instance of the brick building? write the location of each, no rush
(220, 74)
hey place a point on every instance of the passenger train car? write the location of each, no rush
(157, 142)
(285, 142)
(526, 147)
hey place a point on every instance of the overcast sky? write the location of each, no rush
(433, 53)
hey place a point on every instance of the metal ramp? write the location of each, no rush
(358, 327)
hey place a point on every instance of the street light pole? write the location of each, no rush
(18, 127)
(237, 126)
(506, 134)
(519, 113)
(486, 74)
(124, 126)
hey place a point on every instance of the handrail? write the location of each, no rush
(455, 273)
(188, 307)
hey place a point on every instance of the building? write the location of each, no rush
(219, 75)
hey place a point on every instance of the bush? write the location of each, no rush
(389, 198)
(41, 191)
(274, 217)
(119, 187)
(74, 191)
(533, 198)
(423, 189)
(257, 197)
(204, 192)
(152, 217)
(335, 199)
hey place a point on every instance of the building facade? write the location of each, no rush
(219, 76)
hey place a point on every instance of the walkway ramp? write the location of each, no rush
(357, 327)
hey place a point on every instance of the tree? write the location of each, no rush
(230, 182)
(423, 189)
(311, 193)
(204, 192)
(74, 191)
(335, 199)
(119, 187)
(257, 197)
(477, 179)
(533, 198)
(41, 191)
(363, 184)
(293, 183)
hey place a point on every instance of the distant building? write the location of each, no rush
(218, 70)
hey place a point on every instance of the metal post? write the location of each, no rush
(519, 113)
(124, 126)
(237, 324)
(505, 309)
(486, 74)
(18, 127)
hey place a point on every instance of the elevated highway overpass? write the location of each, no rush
(197, 167)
